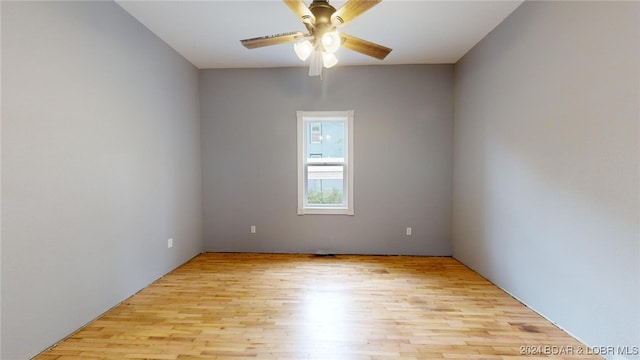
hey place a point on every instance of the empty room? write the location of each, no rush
(320, 180)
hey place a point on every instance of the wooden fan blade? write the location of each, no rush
(351, 10)
(364, 47)
(271, 40)
(301, 10)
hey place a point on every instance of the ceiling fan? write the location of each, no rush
(323, 40)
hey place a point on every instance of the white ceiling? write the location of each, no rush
(207, 33)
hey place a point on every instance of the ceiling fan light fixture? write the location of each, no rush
(303, 49)
(331, 41)
(329, 60)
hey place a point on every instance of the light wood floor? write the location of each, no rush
(252, 306)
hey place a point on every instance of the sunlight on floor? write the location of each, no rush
(326, 320)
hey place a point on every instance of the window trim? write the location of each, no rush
(304, 117)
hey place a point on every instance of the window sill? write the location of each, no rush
(326, 211)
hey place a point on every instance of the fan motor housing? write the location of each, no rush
(322, 12)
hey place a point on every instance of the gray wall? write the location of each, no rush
(100, 166)
(546, 178)
(403, 153)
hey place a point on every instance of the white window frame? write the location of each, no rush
(304, 118)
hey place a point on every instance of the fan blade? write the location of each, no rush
(364, 46)
(351, 10)
(301, 10)
(271, 40)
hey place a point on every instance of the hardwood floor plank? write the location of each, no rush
(259, 306)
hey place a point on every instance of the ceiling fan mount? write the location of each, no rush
(322, 21)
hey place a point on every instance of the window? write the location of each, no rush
(325, 162)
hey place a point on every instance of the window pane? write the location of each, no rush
(325, 185)
(326, 139)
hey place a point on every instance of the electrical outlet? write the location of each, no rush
(253, 229)
(409, 231)
(169, 243)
